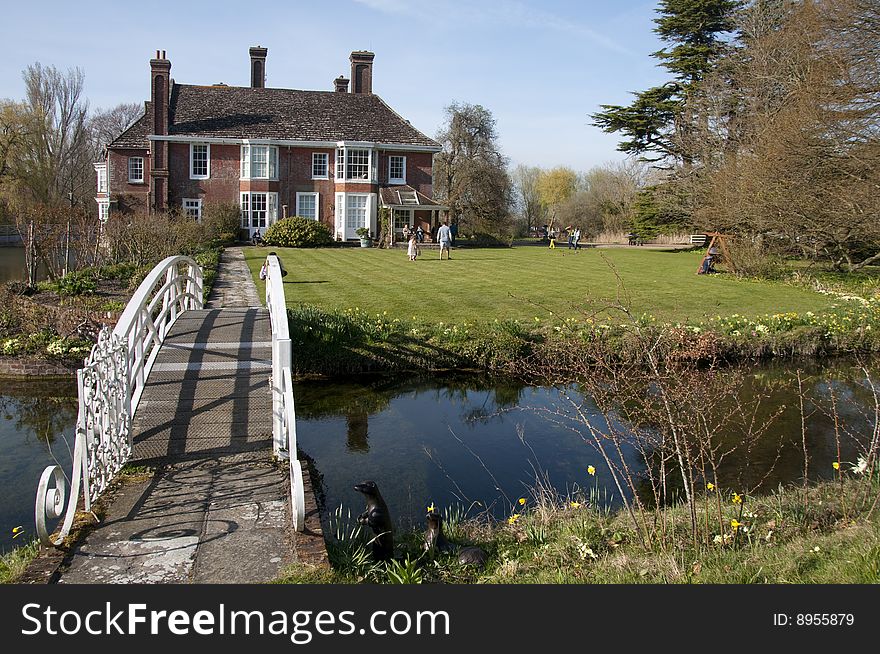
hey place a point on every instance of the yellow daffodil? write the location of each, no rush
(512, 519)
(836, 465)
(17, 531)
(591, 470)
(575, 505)
(736, 524)
(710, 486)
(737, 498)
(431, 508)
(522, 501)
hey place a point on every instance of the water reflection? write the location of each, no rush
(36, 430)
(472, 441)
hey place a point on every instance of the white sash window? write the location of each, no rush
(258, 210)
(259, 162)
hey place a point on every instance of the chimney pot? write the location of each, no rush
(340, 84)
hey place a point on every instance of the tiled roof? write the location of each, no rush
(402, 195)
(260, 113)
(136, 135)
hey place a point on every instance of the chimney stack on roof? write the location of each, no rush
(160, 91)
(362, 71)
(340, 84)
(258, 67)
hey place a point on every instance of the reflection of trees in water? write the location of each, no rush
(42, 407)
(777, 456)
(357, 401)
(357, 430)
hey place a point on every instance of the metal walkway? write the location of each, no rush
(208, 391)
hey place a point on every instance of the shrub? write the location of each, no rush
(76, 283)
(481, 240)
(297, 232)
(221, 221)
(752, 260)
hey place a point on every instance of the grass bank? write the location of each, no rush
(339, 342)
(829, 533)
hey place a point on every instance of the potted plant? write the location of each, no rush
(364, 233)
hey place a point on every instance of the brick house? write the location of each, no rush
(334, 156)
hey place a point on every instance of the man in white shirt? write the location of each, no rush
(444, 236)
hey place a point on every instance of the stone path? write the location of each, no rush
(217, 509)
(233, 286)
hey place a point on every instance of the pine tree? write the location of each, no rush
(693, 29)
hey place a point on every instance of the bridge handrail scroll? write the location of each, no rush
(110, 385)
(283, 410)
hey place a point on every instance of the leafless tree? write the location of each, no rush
(527, 198)
(106, 124)
(470, 173)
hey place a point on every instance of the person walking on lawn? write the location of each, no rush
(444, 237)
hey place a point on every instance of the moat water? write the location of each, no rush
(459, 440)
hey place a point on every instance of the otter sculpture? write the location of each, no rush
(435, 540)
(379, 520)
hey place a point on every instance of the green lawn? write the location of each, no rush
(523, 282)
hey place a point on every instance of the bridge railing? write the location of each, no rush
(110, 385)
(283, 410)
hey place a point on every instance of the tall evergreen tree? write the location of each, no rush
(693, 29)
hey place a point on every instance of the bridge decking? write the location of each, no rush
(208, 392)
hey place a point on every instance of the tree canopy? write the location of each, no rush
(470, 173)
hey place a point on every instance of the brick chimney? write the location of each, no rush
(340, 84)
(258, 67)
(361, 71)
(160, 90)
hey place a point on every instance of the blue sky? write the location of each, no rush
(540, 67)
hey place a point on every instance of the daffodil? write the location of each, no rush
(710, 486)
(591, 470)
(737, 498)
(512, 519)
(575, 505)
(736, 524)
(17, 531)
(860, 466)
(431, 508)
(522, 501)
(836, 465)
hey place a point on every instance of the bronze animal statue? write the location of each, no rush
(379, 520)
(436, 541)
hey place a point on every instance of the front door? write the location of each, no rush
(355, 214)
(258, 212)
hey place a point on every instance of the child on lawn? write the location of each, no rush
(413, 249)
